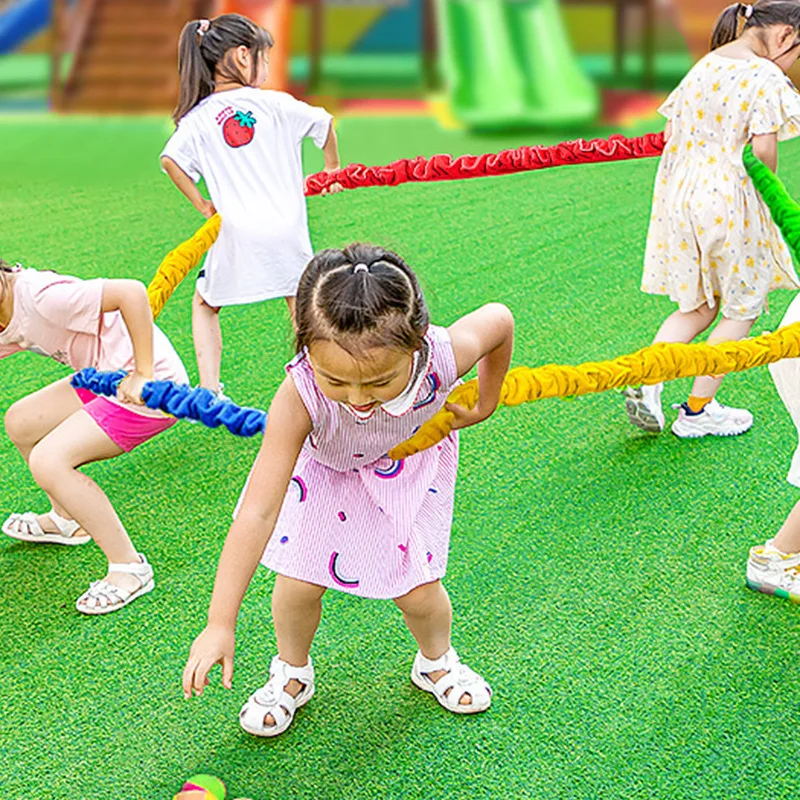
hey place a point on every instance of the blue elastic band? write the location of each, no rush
(180, 401)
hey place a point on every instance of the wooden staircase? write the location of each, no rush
(124, 54)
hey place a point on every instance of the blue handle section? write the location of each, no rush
(180, 401)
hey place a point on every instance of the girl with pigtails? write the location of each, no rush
(711, 245)
(246, 143)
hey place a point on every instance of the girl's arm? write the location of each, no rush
(188, 187)
(330, 151)
(129, 297)
(486, 338)
(288, 425)
(765, 149)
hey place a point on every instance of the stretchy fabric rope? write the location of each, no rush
(648, 365)
(178, 263)
(523, 159)
(784, 210)
(654, 364)
(179, 400)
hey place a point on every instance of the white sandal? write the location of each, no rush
(26, 528)
(450, 688)
(272, 698)
(103, 597)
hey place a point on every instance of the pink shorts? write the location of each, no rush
(124, 427)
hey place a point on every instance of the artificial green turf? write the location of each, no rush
(597, 574)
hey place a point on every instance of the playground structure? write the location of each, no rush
(504, 63)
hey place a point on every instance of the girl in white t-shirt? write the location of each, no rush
(246, 144)
(105, 324)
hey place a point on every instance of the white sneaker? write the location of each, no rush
(220, 395)
(773, 572)
(643, 404)
(713, 420)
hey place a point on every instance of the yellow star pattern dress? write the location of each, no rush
(711, 239)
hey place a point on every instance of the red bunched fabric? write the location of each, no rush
(523, 159)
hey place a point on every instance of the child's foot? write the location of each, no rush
(713, 420)
(773, 572)
(454, 685)
(643, 404)
(49, 528)
(270, 710)
(122, 585)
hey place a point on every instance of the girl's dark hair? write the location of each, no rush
(199, 56)
(764, 13)
(379, 304)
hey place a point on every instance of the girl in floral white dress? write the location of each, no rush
(711, 245)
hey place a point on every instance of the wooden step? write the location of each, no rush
(103, 71)
(132, 11)
(130, 51)
(125, 102)
(140, 29)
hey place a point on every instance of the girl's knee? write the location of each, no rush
(17, 423)
(45, 466)
(706, 313)
(295, 592)
(423, 598)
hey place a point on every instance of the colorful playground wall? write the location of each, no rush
(372, 27)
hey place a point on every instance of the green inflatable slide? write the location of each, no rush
(508, 64)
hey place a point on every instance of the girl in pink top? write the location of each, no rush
(98, 323)
(325, 507)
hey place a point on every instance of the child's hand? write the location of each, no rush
(334, 188)
(464, 417)
(213, 646)
(130, 389)
(206, 208)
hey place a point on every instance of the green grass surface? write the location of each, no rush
(597, 574)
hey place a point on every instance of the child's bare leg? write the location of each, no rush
(429, 616)
(54, 463)
(30, 419)
(683, 326)
(728, 330)
(296, 612)
(207, 336)
(787, 539)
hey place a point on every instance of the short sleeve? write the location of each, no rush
(7, 350)
(182, 149)
(668, 107)
(304, 119)
(776, 109)
(72, 304)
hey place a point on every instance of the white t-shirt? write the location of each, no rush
(246, 144)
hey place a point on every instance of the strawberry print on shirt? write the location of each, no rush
(239, 129)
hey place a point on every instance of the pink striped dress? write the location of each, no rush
(355, 520)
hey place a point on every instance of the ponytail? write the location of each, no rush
(196, 78)
(202, 48)
(761, 14)
(726, 28)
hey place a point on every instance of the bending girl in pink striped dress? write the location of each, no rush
(324, 507)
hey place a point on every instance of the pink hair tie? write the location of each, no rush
(203, 26)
